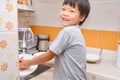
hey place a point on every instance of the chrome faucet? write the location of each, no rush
(100, 56)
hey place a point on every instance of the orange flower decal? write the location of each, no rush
(3, 44)
(9, 7)
(9, 25)
(4, 67)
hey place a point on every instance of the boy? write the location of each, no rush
(69, 47)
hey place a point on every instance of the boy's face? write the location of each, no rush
(70, 15)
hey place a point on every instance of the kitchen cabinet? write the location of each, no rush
(25, 12)
(22, 7)
(25, 8)
(25, 5)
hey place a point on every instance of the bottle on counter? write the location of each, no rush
(43, 43)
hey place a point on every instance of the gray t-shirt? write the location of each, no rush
(70, 50)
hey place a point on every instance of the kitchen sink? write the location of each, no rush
(40, 69)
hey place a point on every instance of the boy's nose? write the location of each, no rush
(66, 13)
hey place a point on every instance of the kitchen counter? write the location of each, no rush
(47, 75)
(106, 70)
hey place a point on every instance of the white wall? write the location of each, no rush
(105, 14)
(46, 12)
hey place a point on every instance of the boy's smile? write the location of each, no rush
(65, 20)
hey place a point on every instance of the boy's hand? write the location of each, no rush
(23, 64)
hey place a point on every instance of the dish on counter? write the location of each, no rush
(26, 71)
(92, 58)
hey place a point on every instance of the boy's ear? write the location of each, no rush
(82, 18)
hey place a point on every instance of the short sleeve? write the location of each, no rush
(60, 43)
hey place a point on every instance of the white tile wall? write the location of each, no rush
(104, 15)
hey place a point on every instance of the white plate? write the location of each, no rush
(30, 69)
(38, 53)
(92, 58)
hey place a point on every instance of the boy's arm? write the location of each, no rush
(50, 62)
(47, 56)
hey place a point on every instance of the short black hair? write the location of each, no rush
(83, 5)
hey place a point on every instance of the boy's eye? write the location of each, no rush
(72, 11)
(63, 9)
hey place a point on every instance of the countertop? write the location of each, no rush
(47, 75)
(105, 69)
